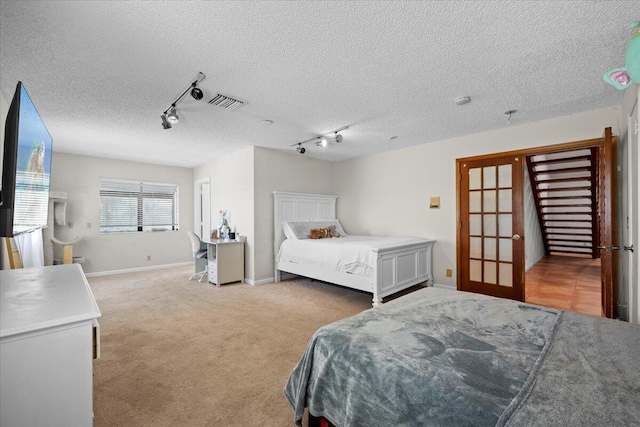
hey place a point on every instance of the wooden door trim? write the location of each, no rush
(543, 149)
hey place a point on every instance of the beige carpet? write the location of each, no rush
(181, 353)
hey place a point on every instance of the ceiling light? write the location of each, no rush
(172, 116)
(321, 141)
(461, 100)
(165, 123)
(324, 141)
(509, 114)
(267, 122)
(196, 94)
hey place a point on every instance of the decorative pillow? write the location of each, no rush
(323, 233)
(300, 229)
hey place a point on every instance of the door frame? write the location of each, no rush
(610, 306)
(197, 208)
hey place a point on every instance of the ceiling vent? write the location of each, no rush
(226, 102)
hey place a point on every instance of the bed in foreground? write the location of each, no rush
(439, 357)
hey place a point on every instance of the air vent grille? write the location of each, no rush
(226, 102)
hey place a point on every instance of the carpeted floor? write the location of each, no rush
(181, 353)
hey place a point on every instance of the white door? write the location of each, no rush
(631, 236)
(202, 208)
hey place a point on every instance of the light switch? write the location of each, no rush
(434, 202)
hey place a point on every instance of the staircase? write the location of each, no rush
(565, 192)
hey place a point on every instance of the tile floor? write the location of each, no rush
(565, 283)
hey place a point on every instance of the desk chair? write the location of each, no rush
(199, 249)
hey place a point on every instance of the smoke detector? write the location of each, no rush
(461, 100)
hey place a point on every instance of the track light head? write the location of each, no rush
(165, 123)
(300, 149)
(338, 138)
(197, 94)
(173, 115)
(323, 141)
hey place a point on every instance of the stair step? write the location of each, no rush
(567, 213)
(581, 188)
(581, 248)
(575, 243)
(584, 205)
(563, 170)
(562, 160)
(547, 220)
(564, 198)
(561, 180)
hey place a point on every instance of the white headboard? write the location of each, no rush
(299, 207)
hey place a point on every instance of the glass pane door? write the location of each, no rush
(491, 208)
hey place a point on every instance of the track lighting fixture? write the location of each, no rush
(165, 122)
(170, 115)
(322, 140)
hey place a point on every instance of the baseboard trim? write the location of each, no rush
(441, 286)
(137, 269)
(260, 282)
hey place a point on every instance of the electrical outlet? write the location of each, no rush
(148, 257)
(449, 272)
(70, 224)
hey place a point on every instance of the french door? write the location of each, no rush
(491, 229)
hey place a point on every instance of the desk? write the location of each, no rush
(48, 338)
(225, 261)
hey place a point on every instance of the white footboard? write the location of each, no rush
(401, 267)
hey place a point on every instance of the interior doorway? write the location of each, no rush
(600, 250)
(202, 208)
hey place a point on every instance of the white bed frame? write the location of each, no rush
(397, 268)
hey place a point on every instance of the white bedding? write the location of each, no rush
(348, 254)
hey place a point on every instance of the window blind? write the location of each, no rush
(137, 206)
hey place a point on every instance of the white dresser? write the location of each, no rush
(49, 336)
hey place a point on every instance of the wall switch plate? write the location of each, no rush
(434, 202)
(449, 272)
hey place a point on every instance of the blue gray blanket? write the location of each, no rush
(433, 357)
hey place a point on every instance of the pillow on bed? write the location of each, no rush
(300, 229)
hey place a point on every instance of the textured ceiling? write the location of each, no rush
(101, 73)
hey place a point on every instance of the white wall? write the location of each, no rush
(388, 193)
(281, 171)
(533, 244)
(232, 189)
(79, 176)
(243, 183)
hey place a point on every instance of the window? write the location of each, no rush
(134, 206)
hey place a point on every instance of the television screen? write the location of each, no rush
(26, 168)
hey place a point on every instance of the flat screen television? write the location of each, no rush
(26, 168)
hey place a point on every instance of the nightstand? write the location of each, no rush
(225, 261)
